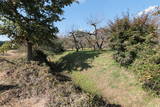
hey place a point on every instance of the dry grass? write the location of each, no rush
(13, 54)
(25, 84)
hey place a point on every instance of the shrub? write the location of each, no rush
(147, 66)
(127, 37)
(40, 56)
(5, 47)
(1, 43)
(135, 43)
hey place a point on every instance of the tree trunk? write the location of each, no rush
(77, 48)
(94, 47)
(101, 45)
(81, 46)
(29, 51)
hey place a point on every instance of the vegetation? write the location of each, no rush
(135, 43)
(5, 47)
(1, 43)
(31, 22)
(128, 37)
(37, 81)
(119, 63)
(147, 66)
(98, 73)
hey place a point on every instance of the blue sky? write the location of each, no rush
(78, 14)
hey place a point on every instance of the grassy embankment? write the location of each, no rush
(96, 72)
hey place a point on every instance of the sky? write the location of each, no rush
(77, 15)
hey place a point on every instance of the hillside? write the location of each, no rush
(33, 84)
(96, 72)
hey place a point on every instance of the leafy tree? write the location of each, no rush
(31, 21)
(55, 46)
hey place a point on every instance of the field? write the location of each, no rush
(97, 73)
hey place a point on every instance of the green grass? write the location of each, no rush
(96, 72)
(85, 83)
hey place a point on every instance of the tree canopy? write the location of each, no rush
(31, 21)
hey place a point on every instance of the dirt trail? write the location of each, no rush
(12, 54)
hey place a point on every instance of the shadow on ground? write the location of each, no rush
(113, 105)
(7, 87)
(75, 61)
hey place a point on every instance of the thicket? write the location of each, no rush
(135, 44)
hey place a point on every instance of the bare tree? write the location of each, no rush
(99, 36)
(90, 41)
(75, 40)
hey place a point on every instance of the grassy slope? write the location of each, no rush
(96, 72)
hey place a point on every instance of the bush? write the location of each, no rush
(40, 56)
(135, 44)
(127, 37)
(1, 43)
(147, 66)
(5, 47)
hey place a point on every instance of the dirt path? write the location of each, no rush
(12, 54)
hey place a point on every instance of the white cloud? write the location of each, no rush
(149, 10)
(81, 29)
(81, 1)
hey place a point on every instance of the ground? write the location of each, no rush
(13, 54)
(4, 85)
(31, 84)
(97, 73)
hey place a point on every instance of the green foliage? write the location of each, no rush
(40, 56)
(147, 66)
(54, 46)
(127, 37)
(5, 47)
(1, 43)
(135, 43)
(31, 20)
